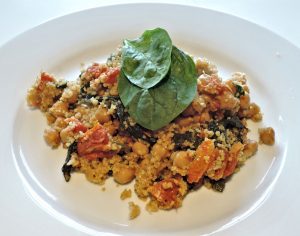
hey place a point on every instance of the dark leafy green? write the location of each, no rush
(187, 140)
(134, 130)
(66, 168)
(61, 85)
(232, 122)
(156, 107)
(239, 91)
(218, 185)
(146, 60)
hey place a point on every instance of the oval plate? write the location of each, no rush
(259, 195)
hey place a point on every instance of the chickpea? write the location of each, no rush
(140, 148)
(59, 109)
(50, 118)
(250, 148)
(257, 117)
(159, 151)
(60, 123)
(123, 174)
(102, 116)
(266, 135)
(253, 112)
(254, 109)
(181, 159)
(244, 101)
(52, 137)
(70, 94)
(67, 134)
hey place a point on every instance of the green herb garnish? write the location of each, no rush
(156, 107)
(146, 60)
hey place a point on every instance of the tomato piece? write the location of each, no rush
(44, 79)
(204, 156)
(112, 75)
(76, 126)
(94, 142)
(95, 70)
(80, 127)
(165, 192)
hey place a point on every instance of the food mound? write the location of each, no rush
(152, 114)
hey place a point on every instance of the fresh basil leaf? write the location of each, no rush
(156, 107)
(146, 60)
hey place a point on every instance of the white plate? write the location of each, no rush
(262, 199)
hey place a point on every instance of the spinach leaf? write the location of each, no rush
(186, 140)
(127, 91)
(232, 122)
(218, 185)
(67, 169)
(146, 60)
(239, 91)
(156, 107)
(134, 130)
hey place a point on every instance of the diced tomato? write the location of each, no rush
(165, 191)
(94, 143)
(44, 79)
(112, 75)
(204, 156)
(80, 127)
(96, 70)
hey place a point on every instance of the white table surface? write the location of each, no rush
(280, 16)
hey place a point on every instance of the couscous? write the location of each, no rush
(202, 145)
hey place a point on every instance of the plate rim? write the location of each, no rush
(11, 41)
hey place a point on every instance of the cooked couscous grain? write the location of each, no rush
(126, 193)
(134, 210)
